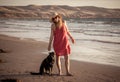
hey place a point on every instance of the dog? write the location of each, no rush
(47, 64)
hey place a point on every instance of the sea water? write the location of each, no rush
(97, 40)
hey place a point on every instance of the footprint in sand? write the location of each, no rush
(2, 51)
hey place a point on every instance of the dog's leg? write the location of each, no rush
(41, 71)
(44, 71)
(50, 72)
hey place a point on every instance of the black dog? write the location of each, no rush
(47, 64)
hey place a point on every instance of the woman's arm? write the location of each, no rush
(72, 39)
(69, 34)
(51, 38)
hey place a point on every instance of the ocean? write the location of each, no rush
(97, 40)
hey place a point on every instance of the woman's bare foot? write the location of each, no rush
(60, 73)
(69, 74)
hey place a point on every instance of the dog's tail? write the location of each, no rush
(34, 73)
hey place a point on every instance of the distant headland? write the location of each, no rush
(46, 11)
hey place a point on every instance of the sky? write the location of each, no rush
(98, 3)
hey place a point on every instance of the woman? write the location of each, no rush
(59, 36)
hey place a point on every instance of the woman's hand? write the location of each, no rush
(49, 47)
(73, 41)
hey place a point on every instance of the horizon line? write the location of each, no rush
(62, 5)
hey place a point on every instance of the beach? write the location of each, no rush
(97, 40)
(25, 55)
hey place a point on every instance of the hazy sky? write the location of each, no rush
(99, 3)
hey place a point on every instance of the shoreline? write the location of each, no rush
(25, 56)
(7, 37)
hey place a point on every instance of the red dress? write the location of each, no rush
(61, 43)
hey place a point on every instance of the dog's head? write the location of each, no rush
(52, 54)
(51, 57)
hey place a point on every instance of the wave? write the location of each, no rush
(115, 33)
(109, 35)
(103, 31)
(98, 41)
(24, 28)
(97, 20)
(24, 23)
(14, 31)
(2, 22)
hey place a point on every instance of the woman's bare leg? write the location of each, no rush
(58, 62)
(67, 64)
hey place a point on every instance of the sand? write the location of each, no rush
(25, 56)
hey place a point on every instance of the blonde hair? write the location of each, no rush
(59, 16)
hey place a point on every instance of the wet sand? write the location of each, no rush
(25, 56)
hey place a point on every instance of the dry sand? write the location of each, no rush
(25, 56)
